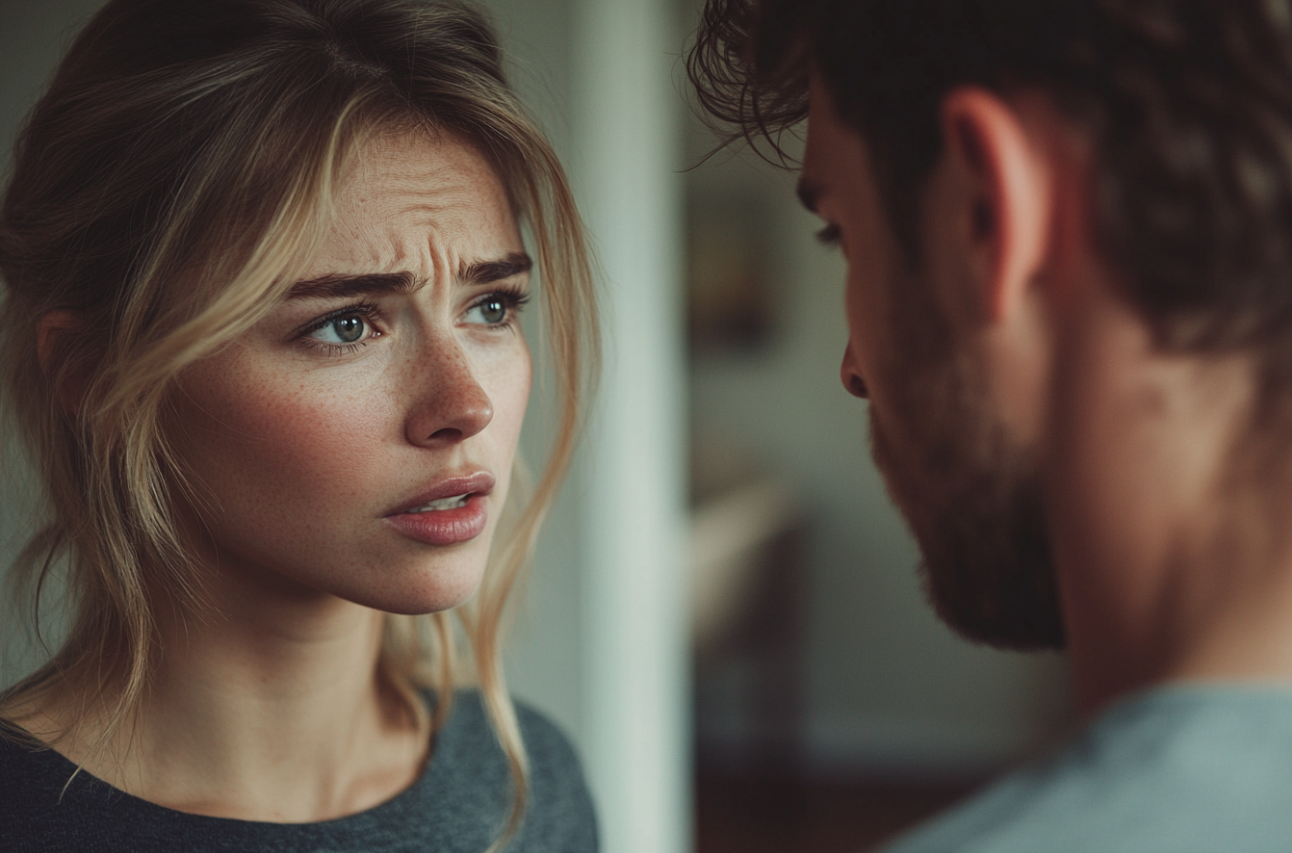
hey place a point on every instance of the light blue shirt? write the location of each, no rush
(1181, 769)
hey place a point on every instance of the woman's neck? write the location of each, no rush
(267, 708)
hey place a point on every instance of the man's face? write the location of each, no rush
(966, 485)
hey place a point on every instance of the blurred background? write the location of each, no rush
(724, 613)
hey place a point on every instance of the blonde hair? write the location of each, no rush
(165, 191)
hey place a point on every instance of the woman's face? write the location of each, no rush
(358, 442)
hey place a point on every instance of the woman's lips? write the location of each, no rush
(481, 482)
(445, 526)
(454, 510)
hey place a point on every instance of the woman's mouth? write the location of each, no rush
(445, 521)
(453, 511)
(442, 504)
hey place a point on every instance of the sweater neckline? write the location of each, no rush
(59, 770)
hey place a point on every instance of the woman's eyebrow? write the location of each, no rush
(486, 272)
(345, 286)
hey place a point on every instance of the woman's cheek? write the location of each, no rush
(510, 377)
(280, 430)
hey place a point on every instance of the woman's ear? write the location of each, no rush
(53, 325)
(1008, 204)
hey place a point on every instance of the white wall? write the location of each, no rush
(33, 35)
(601, 642)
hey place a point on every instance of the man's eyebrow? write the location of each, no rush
(345, 286)
(487, 272)
(809, 191)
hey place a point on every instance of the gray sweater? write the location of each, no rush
(459, 804)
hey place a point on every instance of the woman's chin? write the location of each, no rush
(421, 604)
(421, 592)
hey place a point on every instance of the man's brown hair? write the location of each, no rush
(1188, 104)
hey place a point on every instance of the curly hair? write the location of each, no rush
(1188, 104)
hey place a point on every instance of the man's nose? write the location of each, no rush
(852, 381)
(451, 404)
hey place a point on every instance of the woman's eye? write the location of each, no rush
(347, 329)
(490, 311)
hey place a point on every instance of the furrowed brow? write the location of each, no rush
(487, 272)
(345, 286)
(809, 192)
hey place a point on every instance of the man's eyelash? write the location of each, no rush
(829, 235)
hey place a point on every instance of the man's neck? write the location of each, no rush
(1173, 558)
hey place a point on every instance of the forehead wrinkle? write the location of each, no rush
(434, 256)
(407, 212)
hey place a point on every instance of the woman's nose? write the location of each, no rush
(451, 405)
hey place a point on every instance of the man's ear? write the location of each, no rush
(53, 325)
(1008, 201)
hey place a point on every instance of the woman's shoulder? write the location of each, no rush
(28, 769)
(44, 804)
(469, 736)
(559, 815)
(545, 741)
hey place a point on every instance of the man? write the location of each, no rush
(1068, 228)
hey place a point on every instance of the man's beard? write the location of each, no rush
(970, 493)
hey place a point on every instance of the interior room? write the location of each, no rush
(725, 612)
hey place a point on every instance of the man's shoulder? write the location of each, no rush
(1177, 769)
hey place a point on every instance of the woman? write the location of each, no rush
(264, 271)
